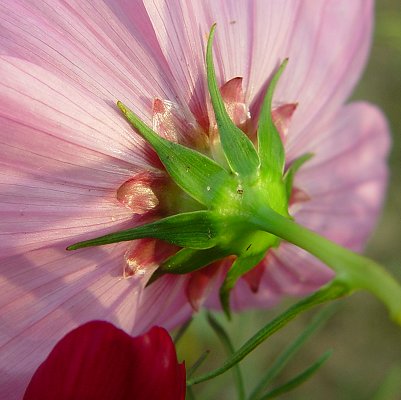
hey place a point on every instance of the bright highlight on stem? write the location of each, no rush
(243, 206)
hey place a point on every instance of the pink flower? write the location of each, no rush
(99, 361)
(72, 168)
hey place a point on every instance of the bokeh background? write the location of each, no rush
(366, 359)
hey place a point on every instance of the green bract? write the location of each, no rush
(238, 149)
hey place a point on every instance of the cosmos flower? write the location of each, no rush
(99, 361)
(72, 168)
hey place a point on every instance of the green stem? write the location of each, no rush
(353, 270)
(330, 292)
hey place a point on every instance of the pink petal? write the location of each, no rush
(293, 272)
(66, 149)
(346, 179)
(327, 50)
(141, 192)
(144, 256)
(234, 100)
(175, 25)
(200, 284)
(240, 45)
(345, 182)
(47, 292)
(108, 48)
(289, 271)
(253, 37)
(282, 117)
(57, 181)
(65, 152)
(99, 361)
(59, 185)
(163, 303)
(254, 276)
(177, 124)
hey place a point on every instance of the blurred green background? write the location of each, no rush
(366, 360)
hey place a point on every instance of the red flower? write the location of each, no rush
(99, 361)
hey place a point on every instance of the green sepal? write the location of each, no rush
(188, 260)
(193, 172)
(240, 267)
(270, 146)
(240, 152)
(293, 168)
(196, 230)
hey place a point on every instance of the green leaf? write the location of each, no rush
(193, 172)
(225, 340)
(298, 380)
(270, 146)
(283, 359)
(197, 230)
(238, 148)
(329, 292)
(240, 267)
(293, 168)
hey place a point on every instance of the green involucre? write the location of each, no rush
(229, 193)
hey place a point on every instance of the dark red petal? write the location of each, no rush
(98, 361)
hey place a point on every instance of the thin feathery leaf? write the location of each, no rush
(330, 292)
(283, 359)
(225, 340)
(197, 363)
(299, 379)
